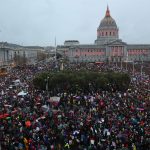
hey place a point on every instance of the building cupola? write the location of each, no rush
(107, 30)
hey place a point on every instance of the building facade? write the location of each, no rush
(11, 54)
(107, 47)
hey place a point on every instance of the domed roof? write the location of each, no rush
(108, 21)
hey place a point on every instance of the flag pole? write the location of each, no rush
(55, 49)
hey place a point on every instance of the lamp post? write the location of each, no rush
(126, 65)
(61, 64)
(55, 50)
(127, 61)
(142, 63)
(141, 68)
(47, 83)
(133, 68)
(121, 63)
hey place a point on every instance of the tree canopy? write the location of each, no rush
(84, 81)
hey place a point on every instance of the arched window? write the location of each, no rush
(106, 33)
(102, 34)
(110, 33)
(113, 33)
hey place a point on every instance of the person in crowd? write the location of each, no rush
(96, 121)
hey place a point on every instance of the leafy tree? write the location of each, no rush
(85, 81)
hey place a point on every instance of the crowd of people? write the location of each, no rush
(101, 120)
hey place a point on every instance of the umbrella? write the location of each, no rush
(28, 123)
(4, 116)
(13, 112)
(2, 92)
(78, 97)
(8, 118)
(37, 129)
(45, 108)
(140, 109)
(16, 82)
(43, 117)
(59, 116)
(7, 105)
(54, 100)
(55, 111)
(76, 132)
(38, 103)
(22, 93)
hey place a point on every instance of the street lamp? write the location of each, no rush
(133, 68)
(142, 63)
(121, 63)
(141, 68)
(61, 64)
(127, 61)
(47, 79)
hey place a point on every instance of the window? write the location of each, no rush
(106, 33)
(110, 33)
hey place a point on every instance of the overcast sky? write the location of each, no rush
(38, 22)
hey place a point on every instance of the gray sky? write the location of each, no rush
(37, 22)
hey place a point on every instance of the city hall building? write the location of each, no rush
(108, 47)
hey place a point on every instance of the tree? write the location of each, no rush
(85, 81)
